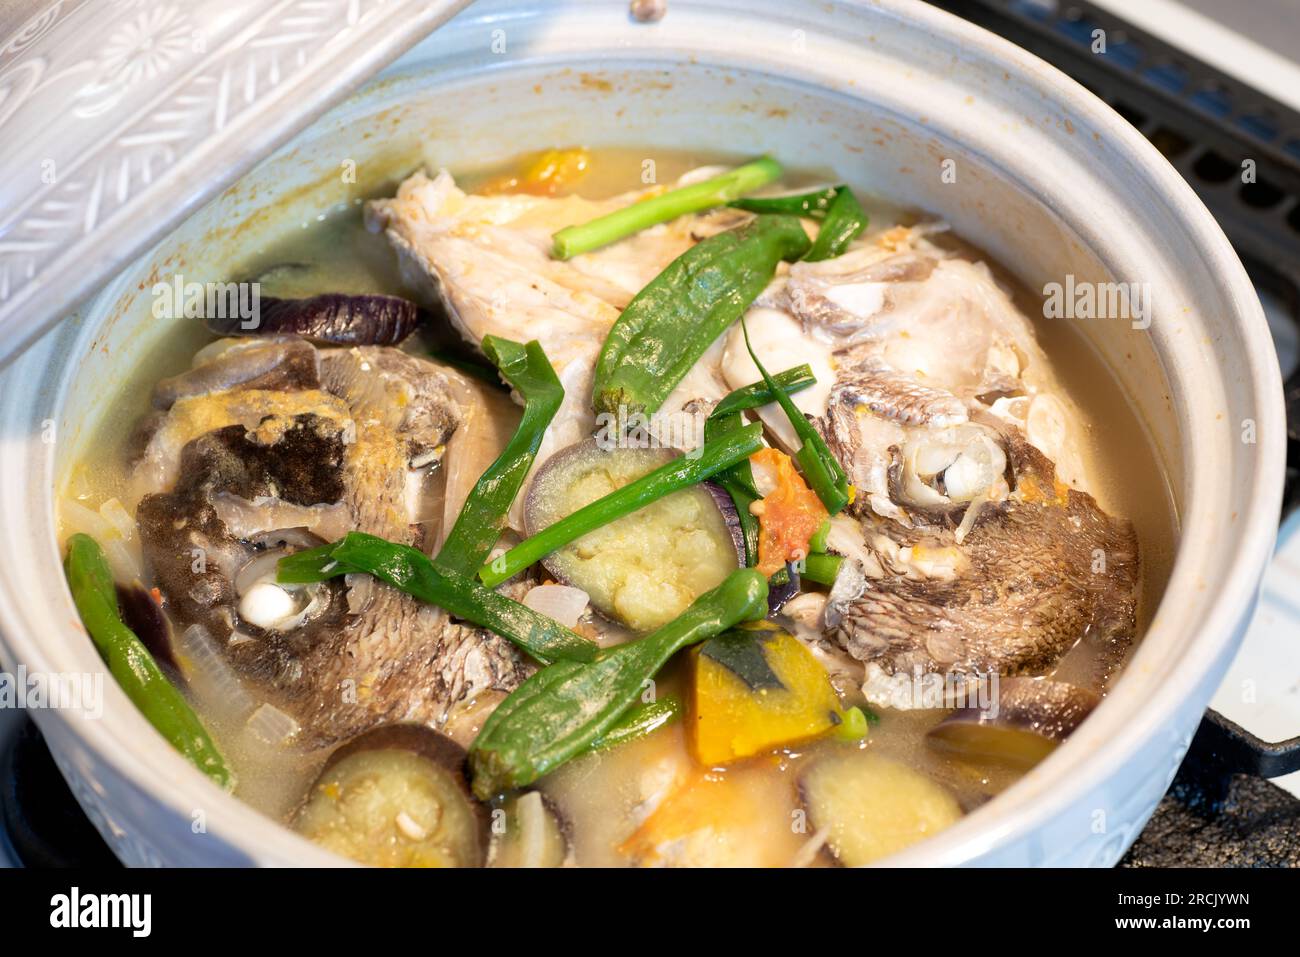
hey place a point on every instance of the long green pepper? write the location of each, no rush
(559, 711)
(844, 221)
(814, 205)
(639, 721)
(670, 323)
(758, 394)
(843, 218)
(411, 571)
(131, 665)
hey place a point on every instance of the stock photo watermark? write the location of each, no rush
(40, 690)
(182, 299)
(633, 429)
(1077, 299)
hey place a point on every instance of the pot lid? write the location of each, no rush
(119, 118)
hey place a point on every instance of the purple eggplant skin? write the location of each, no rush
(722, 499)
(434, 746)
(337, 318)
(1033, 715)
(778, 595)
(143, 615)
(431, 747)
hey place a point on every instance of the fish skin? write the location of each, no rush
(877, 272)
(394, 658)
(873, 385)
(1025, 594)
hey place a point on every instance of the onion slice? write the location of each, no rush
(561, 603)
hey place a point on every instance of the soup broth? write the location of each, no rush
(644, 802)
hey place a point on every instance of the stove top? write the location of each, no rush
(1219, 96)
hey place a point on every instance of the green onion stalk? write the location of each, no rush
(718, 191)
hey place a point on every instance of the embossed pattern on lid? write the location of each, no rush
(120, 117)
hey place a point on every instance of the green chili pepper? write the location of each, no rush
(574, 240)
(821, 568)
(310, 565)
(738, 481)
(813, 205)
(670, 323)
(683, 471)
(559, 711)
(844, 220)
(637, 722)
(130, 663)
(410, 570)
(483, 516)
(823, 473)
(842, 215)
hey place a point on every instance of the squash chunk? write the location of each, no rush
(756, 689)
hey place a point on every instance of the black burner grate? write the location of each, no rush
(38, 814)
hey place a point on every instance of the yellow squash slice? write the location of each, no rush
(756, 689)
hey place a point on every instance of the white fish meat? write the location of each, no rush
(487, 258)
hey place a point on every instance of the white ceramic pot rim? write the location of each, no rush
(1127, 717)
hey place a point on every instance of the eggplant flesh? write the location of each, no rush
(870, 807)
(645, 568)
(396, 797)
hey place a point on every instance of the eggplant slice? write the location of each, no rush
(396, 796)
(1032, 717)
(871, 807)
(644, 569)
(365, 320)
